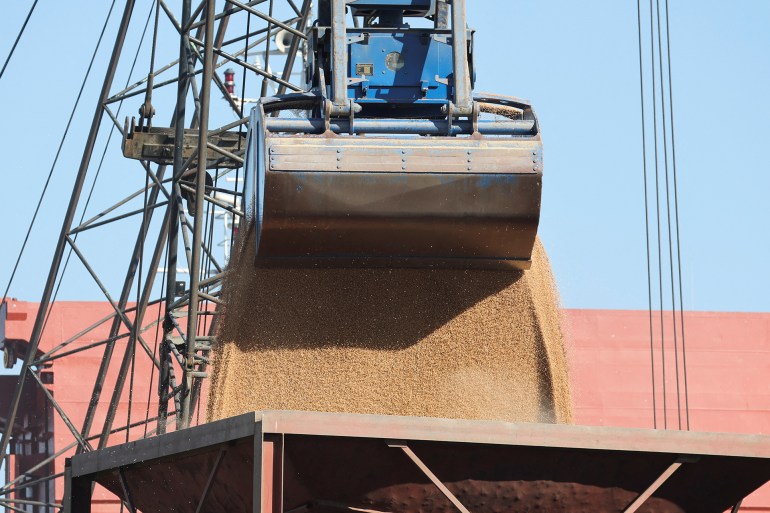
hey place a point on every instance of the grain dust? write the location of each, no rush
(435, 343)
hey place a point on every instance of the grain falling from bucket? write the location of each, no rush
(434, 343)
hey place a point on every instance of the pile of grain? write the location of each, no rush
(436, 343)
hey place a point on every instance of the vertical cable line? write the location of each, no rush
(676, 217)
(139, 311)
(154, 349)
(646, 211)
(208, 238)
(62, 239)
(97, 173)
(661, 77)
(240, 136)
(18, 38)
(58, 154)
(657, 206)
(267, 49)
(158, 320)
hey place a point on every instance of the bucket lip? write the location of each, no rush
(391, 262)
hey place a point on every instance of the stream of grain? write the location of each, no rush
(435, 343)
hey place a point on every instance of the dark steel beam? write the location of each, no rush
(639, 502)
(205, 248)
(69, 217)
(79, 334)
(164, 376)
(126, 492)
(171, 17)
(291, 55)
(120, 307)
(131, 345)
(339, 56)
(210, 479)
(5, 503)
(442, 15)
(109, 209)
(81, 442)
(121, 314)
(27, 484)
(463, 94)
(266, 58)
(86, 347)
(241, 6)
(430, 475)
(119, 217)
(259, 71)
(77, 492)
(12, 508)
(7, 487)
(183, 420)
(252, 34)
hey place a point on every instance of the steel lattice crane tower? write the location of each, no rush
(465, 190)
(175, 265)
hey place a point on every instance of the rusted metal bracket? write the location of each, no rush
(658, 483)
(425, 470)
(156, 145)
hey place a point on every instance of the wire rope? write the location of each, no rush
(676, 218)
(58, 154)
(646, 212)
(18, 38)
(233, 231)
(97, 173)
(138, 313)
(155, 349)
(661, 78)
(665, 175)
(657, 207)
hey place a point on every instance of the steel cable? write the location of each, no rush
(96, 177)
(56, 158)
(205, 270)
(661, 81)
(240, 136)
(676, 218)
(154, 350)
(646, 212)
(97, 173)
(668, 215)
(18, 38)
(138, 313)
(657, 207)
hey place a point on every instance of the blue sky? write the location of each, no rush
(576, 61)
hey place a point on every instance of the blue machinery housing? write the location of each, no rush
(394, 164)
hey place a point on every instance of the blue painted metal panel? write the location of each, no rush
(409, 7)
(399, 67)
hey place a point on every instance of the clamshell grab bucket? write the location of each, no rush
(366, 201)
